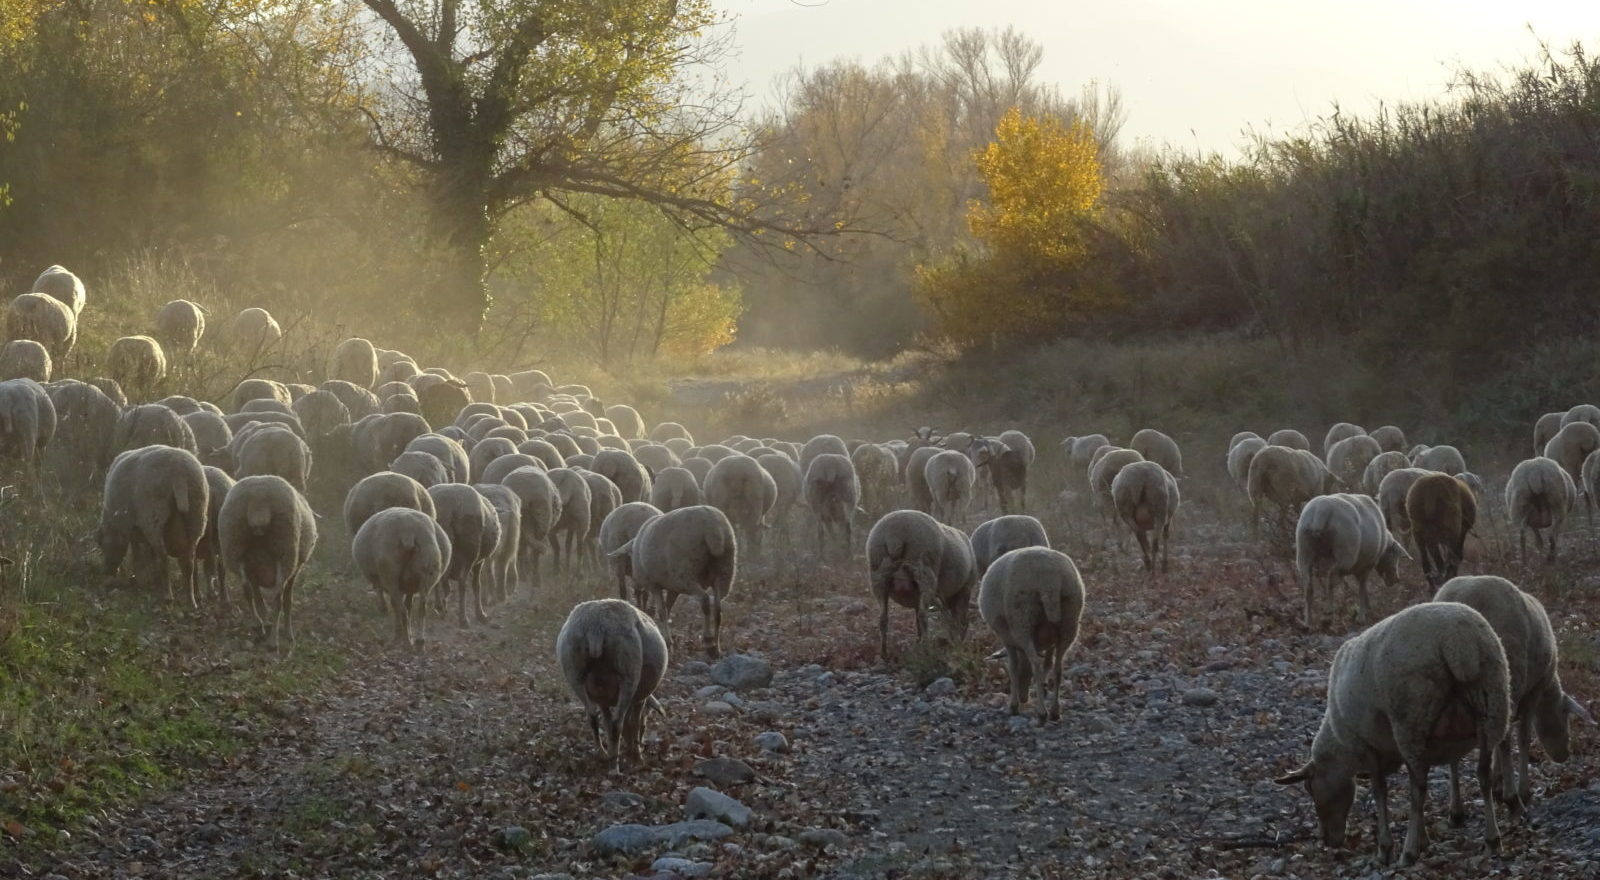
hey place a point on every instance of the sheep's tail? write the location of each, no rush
(1314, 526)
(180, 497)
(1481, 683)
(594, 641)
(716, 542)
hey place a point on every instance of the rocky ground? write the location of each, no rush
(806, 756)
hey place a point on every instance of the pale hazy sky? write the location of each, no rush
(1192, 74)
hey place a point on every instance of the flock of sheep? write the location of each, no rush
(465, 485)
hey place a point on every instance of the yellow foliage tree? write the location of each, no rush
(1043, 176)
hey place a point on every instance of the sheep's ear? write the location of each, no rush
(1300, 775)
(1576, 708)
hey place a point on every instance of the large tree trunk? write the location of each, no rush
(461, 229)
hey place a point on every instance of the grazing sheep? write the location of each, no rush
(950, 477)
(422, 467)
(1007, 469)
(1544, 429)
(1383, 464)
(62, 286)
(1348, 458)
(541, 510)
(266, 406)
(786, 476)
(321, 414)
(485, 452)
(45, 321)
(272, 449)
(382, 491)
(1288, 478)
(674, 488)
(213, 439)
(1583, 412)
(136, 362)
(544, 450)
(155, 503)
(1537, 701)
(570, 532)
(655, 457)
(86, 420)
(1081, 449)
(1145, 496)
(613, 658)
(469, 520)
(1422, 687)
(1391, 498)
(1239, 457)
(667, 431)
(1242, 436)
(1444, 459)
(505, 464)
(358, 401)
(919, 562)
(150, 424)
(1441, 510)
(1289, 438)
(447, 451)
(179, 325)
(1571, 445)
(878, 471)
(1539, 495)
(627, 420)
(819, 445)
(1340, 431)
(260, 389)
(604, 497)
(27, 421)
(916, 477)
(833, 492)
(268, 533)
(255, 329)
(209, 550)
(1343, 536)
(1033, 600)
(403, 554)
(355, 360)
(1103, 472)
(502, 563)
(625, 472)
(743, 490)
(401, 370)
(110, 388)
(1001, 535)
(1159, 448)
(1589, 484)
(25, 359)
(380, 438)
(621, 526)
(691, 552)
(479, 386)
(1390, 438)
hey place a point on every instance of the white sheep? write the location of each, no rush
(1420, 688)
(1033, 600)
(687, 552)
(382, 491)
(1571, 445)
(1544, 428)
(1539, 495)
(604, 497)
(137, 363)
(254, 329)
(832, 493)
(27, 421)
(212, 438)
(271, 449)
(619, 527)
(354, 360)
(25, 359)
(179, 325)
(668, 431)
(85, 419)
(1343, 536)
(155, 503)
(421, 467)
(470, 522)
(44, 320)
(1080, 449)
(501, 566)
(1007, 469)
(1538, 702)
(1145, 496)
(62, 286)
(613, 658)
(209, 550)
(674, 487)
(999, 536)
(480, 386)
(1340, 431)
(742, 489)
(403, 554)
(1390, 438)
(1289, 438)
(916, 477)
(786, 476)
(627, 420)
(625, 472)
(1383, 464)
(1103, 472)
(448, 452)
(655, 456)
(919, 562)
(358, 402)
(1444, 459)
(541, 510)
(259, 389)
(1348, 458)
(150, 424)
(267, 533)
(1159, 448)
(950, 477)
(1239, 456)
(1242, 436)
(570, 532)
(1583, 412)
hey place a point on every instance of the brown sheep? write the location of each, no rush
(1442, 510)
